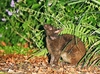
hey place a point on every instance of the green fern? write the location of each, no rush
(80, 31)
(92, 56)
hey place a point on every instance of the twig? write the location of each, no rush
(23, 37)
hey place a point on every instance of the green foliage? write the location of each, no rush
(14, 49)
(39, 53)
(24, 22)
(22, 26)
(92, 56)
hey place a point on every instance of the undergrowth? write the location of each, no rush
(23, 20)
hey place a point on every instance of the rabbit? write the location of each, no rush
(68, 47)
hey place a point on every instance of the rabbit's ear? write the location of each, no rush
(58, 31)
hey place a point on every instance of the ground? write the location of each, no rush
(20, 64)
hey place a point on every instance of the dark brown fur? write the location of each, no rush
(67, 46)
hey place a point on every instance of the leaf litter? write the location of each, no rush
(18, 64)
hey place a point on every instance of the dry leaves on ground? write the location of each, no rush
(18, 64)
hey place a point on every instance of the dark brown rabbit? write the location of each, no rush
(67, 46)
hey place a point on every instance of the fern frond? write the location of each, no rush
(93, 55)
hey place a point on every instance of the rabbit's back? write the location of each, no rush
(74, 50)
